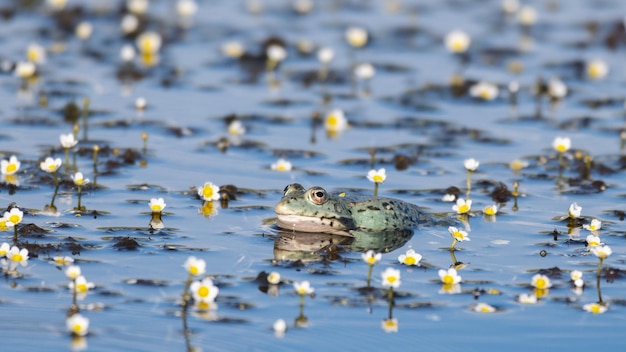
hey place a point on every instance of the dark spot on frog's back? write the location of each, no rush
(371, 207)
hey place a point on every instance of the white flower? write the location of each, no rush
(157, 205)
(68, 140)
(149, 42)
(276, 53)
(601, 252)
(484, 90)
(83, 30)
(25, 69)
(527, 16)
(4, 249)
(595, 308)
(576, 274)
(127, 54)
(78, 325)
(236, 128)
(204, 290)
(51, 165)
(16, 255)
(335, 121)
(14, 216)
(484, 308)
(138, 7)
(141, 103)
(541, 282)
(233, 49)
(510, 6)
(325, 55)
(471, 164)
(209, 192)
(561, 144)
(574, 210)
(280, 326)
(448, 197)
(80, 284)
(57, 4)
(186, 8)
(72, 272)
(449, 277)
(281, 165)
(303, 288)
(595, 225)
(457, 41)
(11, 166)
(370, 257)
(364, 71)
(462, 206)
(391, 278)
(593, 241)
(377, 176)
(79, 179)
(597, 69)
(195, 266)
(556, 88)
(273, 278)
(526, 298)
(490, 210)
(410, 257)
(458, 235)
(62, 260)
(390, 325)
(356, 36)
(36, 53)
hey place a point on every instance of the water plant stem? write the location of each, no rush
(469, 183)
(369, 274)
(15, 235)
(454, 242)
(375, 189)
(55, 177)
(390, 300)
(599, 274)
(80, 193)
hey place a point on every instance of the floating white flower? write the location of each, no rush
(209, 192)
(78, 325)
(577, 278)
(149, 42)
(595, 308)
(72, 272)
(127, 54)
(574, 210)
(390, 325)
(4, 249)
(325, 55)
(62, 260)
(141, 103)
(335, 121)
(484, 90)
(462, 206)
(527, 16)
(279, 326)
(273, 278)
(601, 252)
(68, 140)
(471, 164)
(204, 290)
(14, 216)
(51, 165)
(18, 256)
(233, 49)
(457, 41)
(594, 226)
(377, 176)
(57, 4)
(157, 205)
(25, 69)
(541, 282)
(490, 210)
(593, 241)
(556, 88)
(448, 197)
(410, 257)
(195, 266)
(186, 8)
(364, 71)
(458, 235)
(11, 166)
(561, 144)
(276, 53)
(138, 7)
(597, 69)
(303, 288)
(356, 36)
(83, 30)
(510, 6)
(79, 179)
(484, 308)
(527, 298)
(450, 276)
(236, 128)
(80, 284)
(36, 53)
(370, 257)
(281, 165)
(391, 278)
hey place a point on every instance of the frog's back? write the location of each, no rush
(380, 213)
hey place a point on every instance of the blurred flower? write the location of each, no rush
(149, 42)
(527, 16)
(195, 266)
(4, 249)
(62, 260)
(72, 272)
(84, 30)
(410, 257)
(280, 326)
(204, 290)
(157, 205)
(302, 6)
(303, 288)
(484, 308)
(471, 164)
(595, 308)
(25, 69)
(484, 90)
(577, 278)
(391, 278)
(593, 241)
(127, 54)
(80, 284)
(11, 166)
(56, 4)
(276, 53)
(462, 206)
(79, 179)
(448, 197)
(36, 53)
(141, 103)
(273, 278)
(527, 298)
(14, 216)
(601, 252)
(390, 325)
(186, 8)
(377, 176)
(68, 140)
(233, 49)
(370, 257)
(4, 222)
(458, 235)
(450, 276)
(490, 210)
(510, 6)
(325, 55)
(561, 144)
(356, 36)
(18, 256)
(597, 69)
(517, 165)
(51, 165)
(281, 165)
(209, 192)
(594, 226)
(335, 121)
(138, 7)
(129, 24)
(457, 41)
(78, 325)
(364, 71)
(236, 128)
(209, 209)
(574, 210)
(541, 282)
(556, 88)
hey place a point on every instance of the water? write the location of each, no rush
(193, 90)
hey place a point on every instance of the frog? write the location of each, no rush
(316, 210)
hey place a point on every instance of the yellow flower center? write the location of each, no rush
(410, 260)
(390, 323)
(464, 208)
(448, 279)
(207, 192)
(3, 253)
(52, 167)
(485, 94)
(332, 120)
(207, 208)
(203, 291)
(561, 148)
(204, 305)
(485, 309)
(193, 270)
(595, 308)
(489, 211)
(594, 71)
(82, 288)
(11, 168)
(371, 260)
(156, 207)
(391, 279)
(540, 283)
(15, 218)
(281, 167)
(17, 257)
(458, 46)
(77, 328)
(458, 235)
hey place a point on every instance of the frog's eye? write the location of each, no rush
(318, 196)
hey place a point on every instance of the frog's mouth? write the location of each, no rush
(334, 225)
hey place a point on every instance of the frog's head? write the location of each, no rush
(312, 210)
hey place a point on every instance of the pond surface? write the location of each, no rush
(415, 118)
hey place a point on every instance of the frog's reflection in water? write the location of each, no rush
(313, 246)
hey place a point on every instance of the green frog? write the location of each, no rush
(315, 210)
